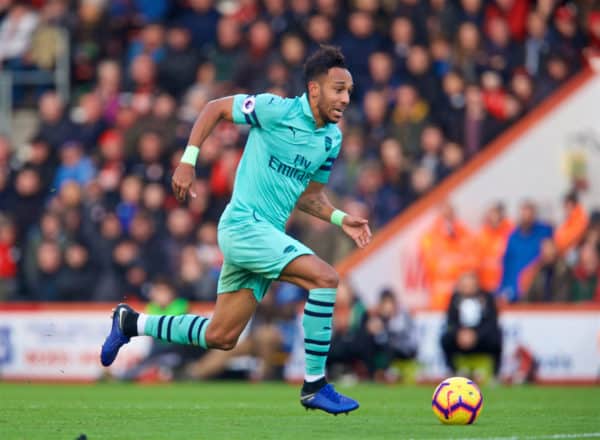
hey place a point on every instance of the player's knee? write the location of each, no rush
(221, 340)
(328, 278)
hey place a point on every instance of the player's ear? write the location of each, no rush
(314, 89)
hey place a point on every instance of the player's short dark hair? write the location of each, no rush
(321, 61)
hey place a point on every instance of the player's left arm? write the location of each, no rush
(315, 202)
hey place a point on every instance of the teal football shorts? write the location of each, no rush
(255, 253)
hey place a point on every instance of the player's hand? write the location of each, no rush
(182, 181)
(357, 229)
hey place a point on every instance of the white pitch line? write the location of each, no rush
(538, 437)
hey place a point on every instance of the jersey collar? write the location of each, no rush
(306, 107)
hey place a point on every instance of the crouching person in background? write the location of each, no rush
(394, 335)
(370, 341)
(472, 324)
(165, 360)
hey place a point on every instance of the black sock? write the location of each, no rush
(130, 324)
(313, 387)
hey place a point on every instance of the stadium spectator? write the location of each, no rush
(41, 158)
(27, 200)
(344, 176)
(408, 118)
(468, 56)
(432, 144)
(471, 323)
(522, 88)
(392, 332)
(91, 39)
(9, 258)
(571, 230)
(585, 285)
(551, 276)
(537, 44)
(556, 71)
(143, 232)
(447, 252)
(513, 12)
(78, 274)
(251, 71)
(165, 361)
(350, 342)
(48, 273)
(196, 280)
(523, 248)
(108, 87)
(472, 127)
(501, 53)
(74, 166)
(395, 174)
(453, 157)
(55, 126)
(442, 18)
(46, 44)
(177, 68)
(16, 33)
(109, 235)
(293, 52)
(381, 74)
(16, 30)
(421, 181)
(151, 41)
(201, 20)
(568, 39)
(226, 54)
(358, 42)
(92, 123)
(375, 109)
(491, 246)
(420, 74)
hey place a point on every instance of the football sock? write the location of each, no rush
(181, 329)
(130, 326)
(317, 321)
(313, 387)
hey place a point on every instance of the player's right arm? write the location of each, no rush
(259, 111)
(211, 114)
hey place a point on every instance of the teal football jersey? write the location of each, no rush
(284, 152)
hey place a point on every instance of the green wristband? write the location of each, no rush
(337, 217)
(190, 155)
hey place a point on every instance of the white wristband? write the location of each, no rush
(190, 155)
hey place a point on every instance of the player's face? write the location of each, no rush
(334, 94)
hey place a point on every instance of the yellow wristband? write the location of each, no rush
(190, 155)
(337, 217)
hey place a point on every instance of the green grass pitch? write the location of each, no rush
(236, 410)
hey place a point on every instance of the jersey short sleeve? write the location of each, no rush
(322, 174)
(258, 110)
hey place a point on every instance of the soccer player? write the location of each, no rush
(287, 160)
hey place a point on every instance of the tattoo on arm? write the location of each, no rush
(316, 204)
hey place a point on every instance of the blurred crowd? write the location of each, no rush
(525, 260)
(86, 210)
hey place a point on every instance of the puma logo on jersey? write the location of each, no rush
(290, 248)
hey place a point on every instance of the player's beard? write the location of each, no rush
(325, 114)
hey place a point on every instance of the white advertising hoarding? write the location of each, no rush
(55, 345)
(65, 345)
(566, 344)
